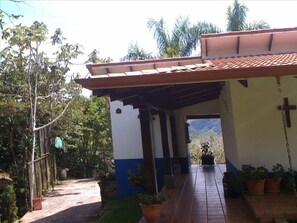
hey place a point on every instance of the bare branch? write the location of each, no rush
(43, 97)
(59, 116)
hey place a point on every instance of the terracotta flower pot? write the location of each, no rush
(272, 185)
(255, 187)
(37, 203)
(151, 212)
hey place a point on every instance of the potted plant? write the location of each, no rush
(107, 186)
(207, 156)
(232, 185)
(254, 178)
(273, 182)
(150, 203)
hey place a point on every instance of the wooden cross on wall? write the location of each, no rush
(286, 107)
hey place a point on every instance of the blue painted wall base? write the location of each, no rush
(230, 167)
(185, 164)
(124, 187)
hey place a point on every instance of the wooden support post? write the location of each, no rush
(169, 178)
(165, 144)
(147, 147)
(177, 167)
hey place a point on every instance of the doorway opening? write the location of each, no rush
(205, 129)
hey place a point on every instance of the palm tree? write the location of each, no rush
(93, 57)
(182, 40)
(136, 53)
(236, 17)
(257, 25)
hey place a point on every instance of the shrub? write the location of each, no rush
(8, 203)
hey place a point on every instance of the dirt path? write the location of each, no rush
(74, 201)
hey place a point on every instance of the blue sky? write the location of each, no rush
(109, 26)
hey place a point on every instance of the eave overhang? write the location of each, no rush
(186, 77)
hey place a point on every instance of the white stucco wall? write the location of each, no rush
(126, 134)
(227, 124)
(156, 134)
(157, 138)
(257, 121)
(206, 108)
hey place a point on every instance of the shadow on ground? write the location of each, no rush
(57, 194)
(87, 213)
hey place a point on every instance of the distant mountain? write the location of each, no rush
(204, 127)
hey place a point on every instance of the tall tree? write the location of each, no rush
(86, 131)
(182, 40)
(94, 57)
(136, 53)
(236, 19)
(34, 80)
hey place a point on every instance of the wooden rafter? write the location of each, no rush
(270, 42)
(238, 45)
(244, 83)
(206, 49)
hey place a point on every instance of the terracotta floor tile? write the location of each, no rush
(199, 198)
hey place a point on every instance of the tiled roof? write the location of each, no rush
(131, 68)
(255, 61)
(241, 62)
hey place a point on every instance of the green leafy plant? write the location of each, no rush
(148, 199)
(8, 203)
(288, 179)
(249, 172)
(232, 185)
(205, 148)
(278, 171)
(137, 178)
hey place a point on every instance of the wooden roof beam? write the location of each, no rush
(244, 83)
(100, 93)
(270, 42)
(119, 95)
(180, 89)
(198, 93)
(201, 100)
(196, 89)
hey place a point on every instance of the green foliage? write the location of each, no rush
(216, 142)
(8, 203)
(136, 53)
(93, 57)
(148, 199)
(249, 172)
(236, 18)
(232, 185)
(278, 171)
(137, 179)
(205, 148)
(87, 138)
(182, 40)
(31, 74)
(289, 180)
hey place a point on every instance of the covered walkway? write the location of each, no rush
(199, 198)
(72, 201)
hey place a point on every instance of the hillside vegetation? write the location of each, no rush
(206, 130)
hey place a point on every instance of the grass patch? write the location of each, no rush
(123, 210)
